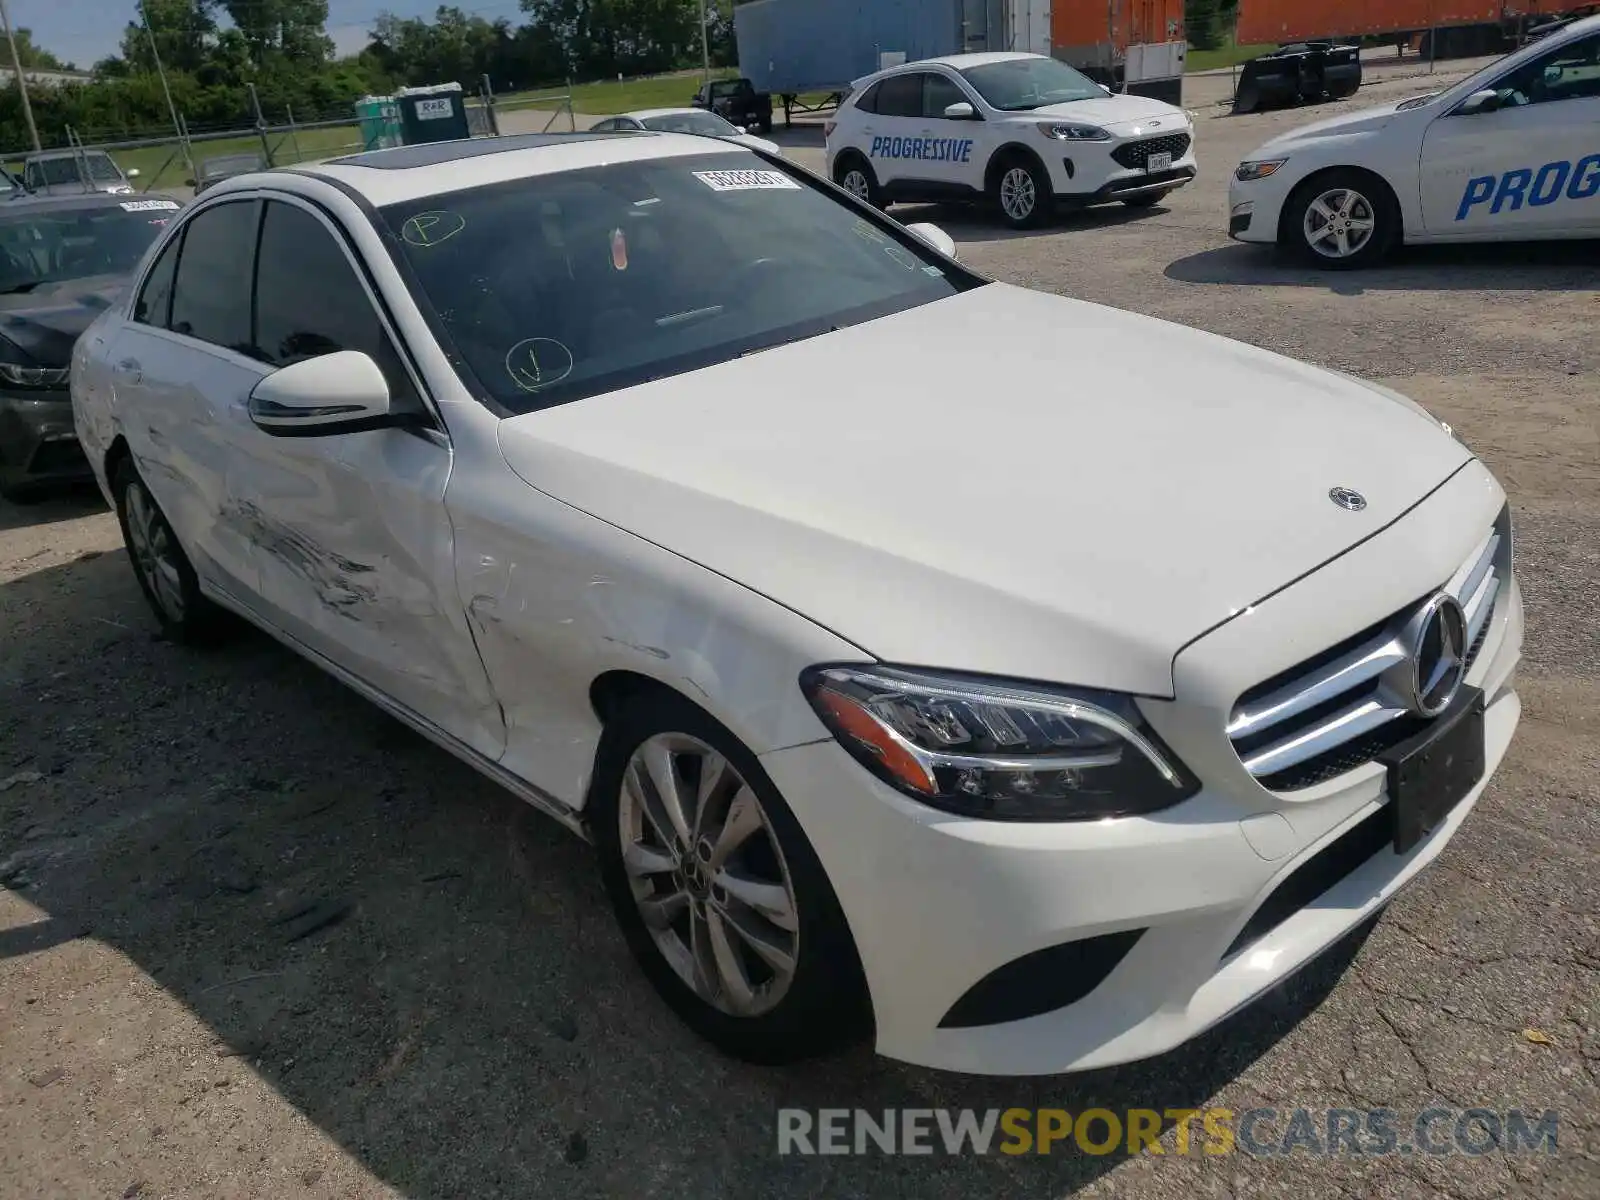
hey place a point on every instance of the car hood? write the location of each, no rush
(43, 324)
(1002, 481)
(1367, 120)
(1111, 112)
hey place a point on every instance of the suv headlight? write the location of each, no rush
(1071, 131)
(998, 751)
(32, 378)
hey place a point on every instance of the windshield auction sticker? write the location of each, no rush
(744, 181)
(149, 205)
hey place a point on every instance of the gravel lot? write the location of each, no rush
(260, 940)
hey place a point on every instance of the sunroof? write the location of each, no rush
(430, 154)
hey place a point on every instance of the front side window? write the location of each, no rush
(1019, 84)
(1571, 72)
(309, 301)
(938, 94)
(568, 285)
(43, 248)
(211, 296)
(706, 124)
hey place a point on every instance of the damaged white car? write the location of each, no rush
(920, 660)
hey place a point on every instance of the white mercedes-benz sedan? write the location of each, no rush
(1027, 683)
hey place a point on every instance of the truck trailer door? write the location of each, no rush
(1029, 25)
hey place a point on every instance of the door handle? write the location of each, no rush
(128, 371)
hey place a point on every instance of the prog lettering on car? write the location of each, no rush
(1551, 182)
(927, 148)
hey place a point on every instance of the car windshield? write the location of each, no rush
(1016, 84)
(66, 169)
(61, 244)
(704, 123)
(562, 286)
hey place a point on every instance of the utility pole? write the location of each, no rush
(705, 49)
(22, 84)
(172, 109)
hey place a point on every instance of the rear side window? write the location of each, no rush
(154, 306)
(309, 300)
(869, 99)
(901, 96)
(211, 298)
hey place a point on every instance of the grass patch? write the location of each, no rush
(161, 168)
(1226, 56)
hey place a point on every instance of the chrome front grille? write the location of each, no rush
(1332, 713)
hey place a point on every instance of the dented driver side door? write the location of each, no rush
(353, 546)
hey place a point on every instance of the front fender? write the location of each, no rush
(556, 598)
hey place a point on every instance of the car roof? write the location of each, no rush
(956, 62)
(436, 168)
(639, 114)
(41, 155)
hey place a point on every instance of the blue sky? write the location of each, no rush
(84, 31)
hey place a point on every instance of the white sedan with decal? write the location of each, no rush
(1510, 154)
(1021, 132)
(1015, 708)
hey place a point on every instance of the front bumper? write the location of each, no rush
(938, 903)
(1255, 208)
(1083, 174)
(38, 443)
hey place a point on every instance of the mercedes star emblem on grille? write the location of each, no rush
(1438, 648)
(1347, 499)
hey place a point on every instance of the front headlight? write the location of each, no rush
(998, 751)
(1069, 131)
(32, 378)
(1249, 172)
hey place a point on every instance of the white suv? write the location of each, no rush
(1021, 131)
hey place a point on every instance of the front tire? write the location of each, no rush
(1022, 191)
(719, 894)
(163, 570)
(1341, 221)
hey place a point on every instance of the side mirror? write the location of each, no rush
(1486, 101)
(935, 237)
(132, 173)
(343, 392)
(960, 111)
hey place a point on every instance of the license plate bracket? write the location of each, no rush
(1159, 162)
(1432, 772)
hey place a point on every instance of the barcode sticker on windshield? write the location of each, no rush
(743, 181)
(149, 205)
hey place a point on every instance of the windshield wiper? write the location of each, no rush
(804, 337)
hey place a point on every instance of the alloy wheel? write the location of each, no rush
(154, 551)
(855, 182)
(1339, 223)
(1018, 196)
(708, 875)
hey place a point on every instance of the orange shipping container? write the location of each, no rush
(1279, 21)
(1100, 31)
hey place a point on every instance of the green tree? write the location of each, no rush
(1202, 20)
(36, 56)
(183, 31)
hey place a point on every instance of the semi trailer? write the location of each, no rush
(1437, 28)
(793, 48)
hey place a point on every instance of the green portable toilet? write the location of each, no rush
(433, 114)
(379, 118)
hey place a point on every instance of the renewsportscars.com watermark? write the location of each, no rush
(1259, 1132)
